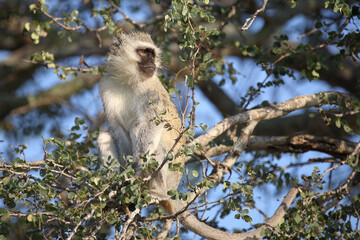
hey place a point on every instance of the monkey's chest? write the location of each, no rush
(135, 114)
(128, 115)
(130, 111)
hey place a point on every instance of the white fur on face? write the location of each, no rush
(123, 53)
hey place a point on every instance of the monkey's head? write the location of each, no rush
(133, 56)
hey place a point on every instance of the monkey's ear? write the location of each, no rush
(117, 42)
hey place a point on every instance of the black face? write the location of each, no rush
(147, 63)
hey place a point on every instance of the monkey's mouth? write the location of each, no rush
(147, 70)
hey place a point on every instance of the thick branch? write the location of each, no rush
(305, 123)
(251, 118)
(218, 97)
(296, 144)
(55, 95)
(212, 233)
(193, 224)
(266, 113)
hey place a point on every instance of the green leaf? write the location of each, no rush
(338, 122)
(94, 70)
(347, 128)
(51, 65)
(117, 2)
(44, 8)
(282, 220)
(184, 10)
(32, 7)
(74, 13)
(302, 194)
(34, 36)
(6, 181)
(204, 127)
(195, 173)
(190, 80)
(298, 218)
(173, 193)
(346, 10)
(247, 218)
(263, 231)
(95, 180)
(207, 56)
(315, 74)
(327, 3)
(4, 212)
(293, 4)
(71, 195)
(30, 218)
(27, 26)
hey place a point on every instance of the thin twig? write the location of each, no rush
(126, 17)
(124, 231)
(79, 224)
(56, 20)
(251, 19)
(231, 13)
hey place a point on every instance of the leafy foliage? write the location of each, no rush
(71, 194)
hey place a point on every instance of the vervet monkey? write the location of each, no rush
(133, 98)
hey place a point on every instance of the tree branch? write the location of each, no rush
(251, 119)
(212, 233)
(55, 95)
(193, 224)
(250, 20)
(296, 144)
(274, 111)
(218, 97)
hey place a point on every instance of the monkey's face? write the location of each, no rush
(133, 57)
(146, 65)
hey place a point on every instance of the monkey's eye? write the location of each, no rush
(142, 52)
